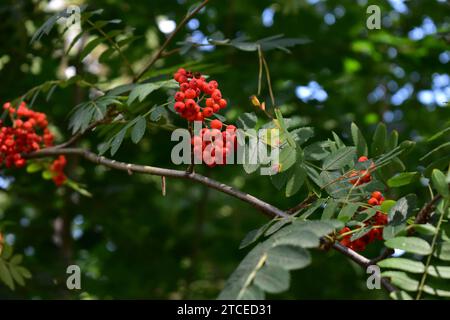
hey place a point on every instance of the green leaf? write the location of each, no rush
(288, 257)
(279, 180)
(391, 231)
(16, 275)
(299, 236)
(339, 159)
(379, 140)
(16, 259)
(157, 113)
(403, 179)
(360, 233)
(359, 141)
(117, 141)
(409, 244)
(442, 272)
(425, 229)
(141, 91)
(34, 167)
(24, 272)
(317, 151)
(296, 181)
(402, 264)
(329, 210)
(272, 279)
(5, 275)
(301, 135)
(400, 295)
(439, 134)
(253, 235)
(440, 183)
(47, 175)
(253, 293)
(247, 121)
(138, 130)
(439, 148)
(402, 210)
(312, 208)
(387, 205)
(287, 158)
(333, 184)
(347, 212)
(401, 280)
(392, 142)
(280, 123)
(442, 251)
(277, 226)
(88, 48)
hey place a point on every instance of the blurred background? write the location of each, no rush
(132, 242)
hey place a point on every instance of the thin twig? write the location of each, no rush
(433, 246)
(305, 203)
(115, 46)
(159, 53)
(424, 214)
(363, 262)
(264, 207)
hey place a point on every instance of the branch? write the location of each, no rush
(424, 214)
(363, 262)
(305, 203)
(78, 135)
(169, 39)
(266, 208)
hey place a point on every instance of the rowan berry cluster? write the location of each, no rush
(361, 176)
(376, 222)
(193, 89)
(29, 132)
(57, 168)
(213, 145)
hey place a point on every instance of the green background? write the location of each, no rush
(132, 242)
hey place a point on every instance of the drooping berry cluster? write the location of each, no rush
(376, 222)
(213, 146)
(29, 132)
(194, 89)
(361, 176)
(57, 168)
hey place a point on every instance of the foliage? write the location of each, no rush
(131, 241)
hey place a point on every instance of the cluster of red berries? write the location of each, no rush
(213, 145)
(193, 89)
(376, 233)
(363, 176)
(28, 133)
(57, 168)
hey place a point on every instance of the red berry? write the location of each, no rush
(209, 102)
(208, 112)
(222, 103)
(377, 195)
(373, 202)
(179, 106)
(363, 159)
(216, 95)
(216, 124)
(179, 96)
(190, 94)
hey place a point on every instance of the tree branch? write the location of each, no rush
(159, 53)
(424, 214)
(363, 262)
(310, 199)
(266, 208)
